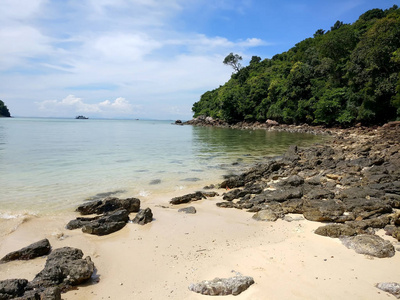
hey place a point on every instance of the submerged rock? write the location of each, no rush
(37, 249)
(370, 245)
(223, 286)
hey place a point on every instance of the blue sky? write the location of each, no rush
(143, 58)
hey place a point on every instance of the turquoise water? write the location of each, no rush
(53, 165)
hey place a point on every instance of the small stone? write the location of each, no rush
(188, 210)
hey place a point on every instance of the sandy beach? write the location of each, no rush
(161, 259)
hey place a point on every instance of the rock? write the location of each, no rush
(379, 222)
(50, 293)
(223, 286)
(271, 123)
(37, 249)
(279, 195)
(144, 216)
(293, 180)
(390, 287)
(188, 210)
(323, 210)
(109, 204)
(210, 194)
(232, 182)
(372, 245)
(64, 268)
(366, 208)
(106, 224)
(178, 122)
(187, 198)
(12, 288)
(265, 215)
(336, 230)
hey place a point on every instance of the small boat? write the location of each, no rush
(81, 117)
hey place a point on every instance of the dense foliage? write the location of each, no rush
(346, 75)
(4, 110)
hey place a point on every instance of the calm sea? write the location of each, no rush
(51, 165)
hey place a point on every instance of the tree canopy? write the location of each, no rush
(346, 75)
(4, 112)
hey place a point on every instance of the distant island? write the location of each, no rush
(4, 112)
(340, 77)
(81, 118)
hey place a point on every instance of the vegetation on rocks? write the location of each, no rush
(346, 75)
(4, 112)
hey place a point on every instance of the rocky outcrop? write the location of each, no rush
(64, 269)
(192, 197)
(372, 245)
(223, 286)
(352, 180)
(37, 249)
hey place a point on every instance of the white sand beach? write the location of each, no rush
(161, 259)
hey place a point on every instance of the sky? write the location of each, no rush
(144, 59)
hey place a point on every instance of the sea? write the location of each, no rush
(49, 166)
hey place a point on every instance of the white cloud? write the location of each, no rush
(74, 105)
(19, 9)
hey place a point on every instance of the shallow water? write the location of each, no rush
(51, 165)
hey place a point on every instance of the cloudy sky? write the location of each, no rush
(143, 58)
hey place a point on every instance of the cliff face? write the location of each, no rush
(4, 112)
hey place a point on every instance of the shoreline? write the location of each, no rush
(160, 259)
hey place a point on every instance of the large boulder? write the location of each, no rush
(108, 205)
(106, 224)
(37, 249)
(65, 267)
(12, 288)
(323, 210)
(223, 286)
(372, 245)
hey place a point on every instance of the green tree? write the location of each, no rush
(233, 61)
(4, 112)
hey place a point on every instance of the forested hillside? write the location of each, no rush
(4, 112)
(346, 75)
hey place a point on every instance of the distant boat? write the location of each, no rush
(81, 117)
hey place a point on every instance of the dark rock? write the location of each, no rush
(155, 181)
(292, 206)
(267, 215)
(323, 210)
(109, 204)
(64, 268)
(188, 210)
(226, 204)
(320, 193)
(178, 122)
(12, 288)
(372, 245)
(188, 198)
(379, 222)
(279, 195)
(360, 192)
(108, 223)
(390, 287)
(293, 180)
(144, 216)
(231, 195)
(210, 194)
(366, 208)
(223, 286)
(34, 250)
(336, 230)
(50, 293)
(232, 182)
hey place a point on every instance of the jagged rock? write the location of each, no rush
(210, 194)
(336, 230)
(372, 245)
(50, 293)
(366, 208)
(65, 267)
(144, 216)
(293, 180)
(223, 286)
(323, 210)
(109, 204)
(280, 195)
(379, 222)
(390, 287)
(265, 215)
(188, 210)
(226, 204)
(187, 198)
(106, 224)
(12, 288)
(232, 195)
(37, 249)
(232, 182)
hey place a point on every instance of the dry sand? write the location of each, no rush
(160, 259)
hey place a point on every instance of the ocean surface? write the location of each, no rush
(48, 166)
